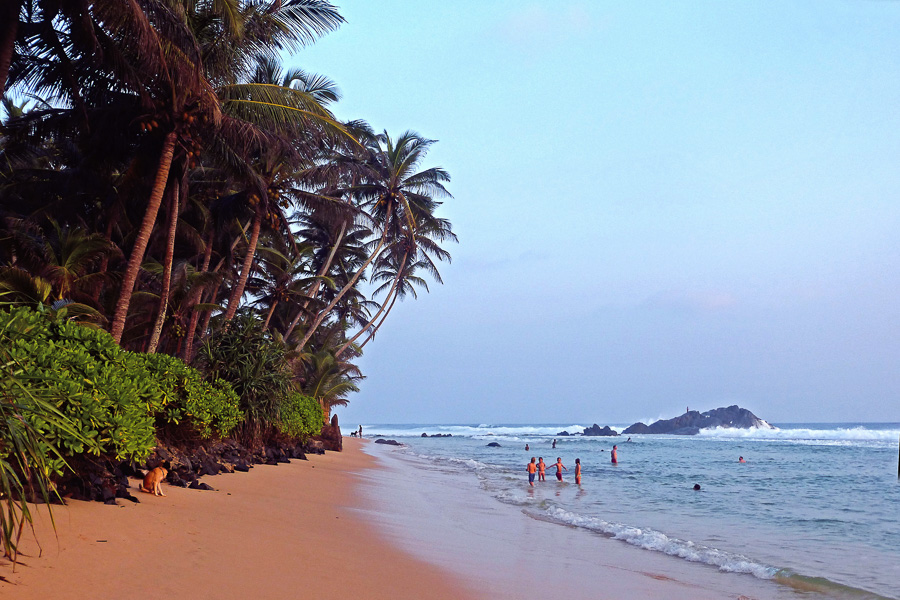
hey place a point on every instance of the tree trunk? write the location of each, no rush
(194, 300)
(143, 237)
(245, 270)
(269, 315)
(9, 28)
(324, 312)
(167, 269)
(391, 292)
(377, 327)
(325, 268)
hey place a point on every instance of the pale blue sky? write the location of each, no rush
(659, 204)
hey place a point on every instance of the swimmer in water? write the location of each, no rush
(542, 468)
(615, 455)
(578, 471)
(741, 459)
(559, 468)
(531, 468)
(526, 447)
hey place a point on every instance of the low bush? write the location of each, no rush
(301, 416)
(113, 398)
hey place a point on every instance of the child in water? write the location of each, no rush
(559, 467)
(531, 468)
(542, 468)
(578, 471)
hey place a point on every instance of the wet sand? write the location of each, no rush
(287, 531)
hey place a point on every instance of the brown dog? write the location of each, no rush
(152, 481)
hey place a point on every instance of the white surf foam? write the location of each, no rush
(657, 541)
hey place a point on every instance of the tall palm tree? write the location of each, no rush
(394, 192)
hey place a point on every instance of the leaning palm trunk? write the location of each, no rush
(245, 270)
(391, 293)
(324, 312)
(269, 314)
(377, 327)
(167, 270)
(143, 238)
(315, 289)
(194, 299)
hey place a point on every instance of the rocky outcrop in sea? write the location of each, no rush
(595, 430)
(690, 423)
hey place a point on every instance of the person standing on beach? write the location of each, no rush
(578, 471)
(542, 468)
(360, 432)
(615, 455)
(559, 467)
(531, 468)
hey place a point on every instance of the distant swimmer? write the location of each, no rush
(628, 440)
(696, 487)
(531, 468)
(559, 468)
(615, 455)
(526, 447)
(542, 468)
(578, 471)
(554, 444)
(741, 459)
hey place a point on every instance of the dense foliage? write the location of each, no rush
(112, 398)
(174, 175)
(164, 179)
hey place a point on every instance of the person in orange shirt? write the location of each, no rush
(559, 468)
(578, 471)
(531, 468)
(542, 468)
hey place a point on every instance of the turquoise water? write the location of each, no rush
(815, 506)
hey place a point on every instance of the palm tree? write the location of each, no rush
(395, 193)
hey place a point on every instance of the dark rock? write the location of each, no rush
(690, 423)
(563, 434)
(596, 430)
(196, 485)
(424, 435)
(388, 442)
(494, 445)
(242, 467)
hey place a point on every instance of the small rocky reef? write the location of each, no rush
(596, 430)
(691, 422)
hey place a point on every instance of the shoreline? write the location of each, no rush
(283, 531)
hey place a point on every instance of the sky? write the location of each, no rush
(659, 204)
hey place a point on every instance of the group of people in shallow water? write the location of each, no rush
(538, 469)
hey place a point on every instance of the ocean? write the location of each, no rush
(815, 507)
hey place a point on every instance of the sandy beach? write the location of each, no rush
(286, 531)
(355, 524)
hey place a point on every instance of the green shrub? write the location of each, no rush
(114, 399)
(102, 390)
(301, 416)
(211, 408)
(257, 367)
